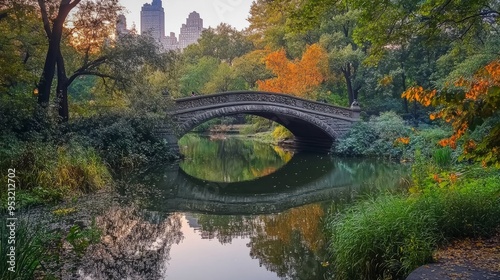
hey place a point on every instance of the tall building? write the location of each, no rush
(191, 31)
(153, 20)
(121, 25)
(170, 42)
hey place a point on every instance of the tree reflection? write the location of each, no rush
(231, 159)
(291, 243)
(133, 245)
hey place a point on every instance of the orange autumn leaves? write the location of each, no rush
(297, 77)
(469, 102)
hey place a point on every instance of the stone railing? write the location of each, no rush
(248, 97)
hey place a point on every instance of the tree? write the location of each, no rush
(300, 77)
(90, 47)
(223, 80)
(195, 76)
(344, 54)
(93, 25)
(251, 67)
(224, 43)
(470, 104)
(20, 51)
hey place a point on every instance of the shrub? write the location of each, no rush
(123, 140)
(281, 133)
(375, 138)
(358, 141)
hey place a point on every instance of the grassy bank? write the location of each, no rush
(389, 236)
(47, 173)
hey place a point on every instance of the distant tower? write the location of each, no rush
(191, 31)
(153, 20)
(121, 25)
(171, 42)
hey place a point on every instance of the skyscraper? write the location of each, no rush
(121, 25)
(153, 20)
(191, 31)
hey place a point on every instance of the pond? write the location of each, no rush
(232, 209)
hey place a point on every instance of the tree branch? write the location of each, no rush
(45, 18)
(485, 13)
(89, 73)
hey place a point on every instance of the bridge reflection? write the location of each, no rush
(306, 178)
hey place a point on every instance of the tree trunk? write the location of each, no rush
(62, 89)
(54, 36)
(350, 92)
(49, 69)
(405, 101)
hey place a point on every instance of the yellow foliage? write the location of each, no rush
(403, 140)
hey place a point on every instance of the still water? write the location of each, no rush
(232, 209)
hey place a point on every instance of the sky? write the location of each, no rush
(213, 12)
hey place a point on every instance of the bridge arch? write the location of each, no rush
(299, 123)
(311, 122)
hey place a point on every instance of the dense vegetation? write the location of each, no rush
(78, 101)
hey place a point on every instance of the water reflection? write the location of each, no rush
(230, 159)
(290, 244)
(268, 226)
(134, 244)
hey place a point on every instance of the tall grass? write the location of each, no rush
(388, 237)
(380, 238)
(28, 248)
(49, 173)
(442, 156)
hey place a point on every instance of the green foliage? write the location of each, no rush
(20, 45)
(442, 156)
(224, 79)
(257, 124)
(251, 68)
(358, 140)
(224, 43)
(197, 75)
(281, 133)
(81, 239)
(376, 137)
(123, 140)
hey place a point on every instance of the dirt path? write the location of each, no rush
(471, 259)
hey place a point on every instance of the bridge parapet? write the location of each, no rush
(242, 97)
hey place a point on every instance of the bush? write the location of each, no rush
(358, 141)
(123, 140)
(376, 137)
(281, 133)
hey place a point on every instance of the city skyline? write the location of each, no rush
(213, 12)
(153, 21)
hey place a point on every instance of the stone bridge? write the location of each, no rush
(312, 123)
